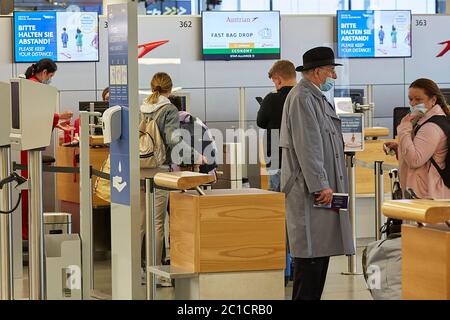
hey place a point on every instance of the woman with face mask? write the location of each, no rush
(42, 72)
(420, 141)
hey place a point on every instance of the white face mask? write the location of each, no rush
(418, 108)
(328, 85)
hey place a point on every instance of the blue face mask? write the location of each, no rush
(418, 108)
(46, 81)
(328, 85)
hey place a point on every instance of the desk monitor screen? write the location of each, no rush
(357, 95)
(99, 106)
(181, 100)
(446, 93)
(15, 107)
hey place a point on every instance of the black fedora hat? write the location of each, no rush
(317, 57)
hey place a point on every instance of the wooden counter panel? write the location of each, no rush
(183, 231)
(365, 178)
(425, 263)
(68, 185)
(233, 231)
(419, 210)
(376, 132)
(182, 180)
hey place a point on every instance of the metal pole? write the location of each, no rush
(6, 262)
(91, 119)
(36, 231)
(350, 163)
(371, 105)
(379, 197)
(242, 153)
(150, 236)
(86, 230)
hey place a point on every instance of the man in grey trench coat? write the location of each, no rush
(313, 168)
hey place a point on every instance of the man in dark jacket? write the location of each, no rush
(283, 75)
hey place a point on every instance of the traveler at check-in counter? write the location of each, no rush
(422, 148)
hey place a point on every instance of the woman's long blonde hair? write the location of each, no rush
(161, 84)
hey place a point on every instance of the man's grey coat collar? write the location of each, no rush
(308, 84)
(318, 94)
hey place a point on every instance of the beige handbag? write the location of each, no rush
(102, 188)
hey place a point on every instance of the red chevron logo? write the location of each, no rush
(446, 49)
(146, 48)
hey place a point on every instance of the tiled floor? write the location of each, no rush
(337, 286)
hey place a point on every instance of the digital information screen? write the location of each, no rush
(241, 35)
(374, 34)
(60, 36)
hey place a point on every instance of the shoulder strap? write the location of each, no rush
(158, 113)
(154, 115)
(444, 123)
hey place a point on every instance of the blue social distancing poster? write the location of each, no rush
(35, 36)
(60, 36)
(374, 34)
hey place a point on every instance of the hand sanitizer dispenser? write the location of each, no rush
(112, 124)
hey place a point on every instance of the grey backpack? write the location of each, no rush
(382, 267)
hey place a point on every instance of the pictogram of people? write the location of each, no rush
(64, 38)
(79, 40)
(394, 37)
(381, 35)
(408, 38)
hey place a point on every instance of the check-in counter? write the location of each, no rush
(224, 244)
(234, 240)
(365, 177)
(68, 185)
(425, 247)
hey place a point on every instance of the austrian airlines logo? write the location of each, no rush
(241, 20)
(146, 48)
(446, 49)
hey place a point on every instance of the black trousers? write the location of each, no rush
(309, 278)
